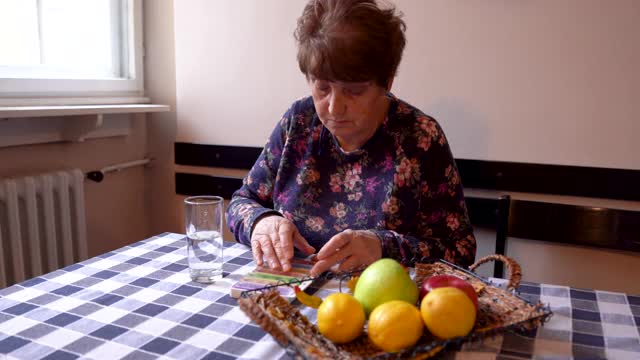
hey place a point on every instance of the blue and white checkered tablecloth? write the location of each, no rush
(138, 302)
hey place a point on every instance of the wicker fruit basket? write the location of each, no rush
(499, 310)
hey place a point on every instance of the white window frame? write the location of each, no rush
(42, 92)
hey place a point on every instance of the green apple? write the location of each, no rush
(383, 281)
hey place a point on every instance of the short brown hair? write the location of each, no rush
(350, 40)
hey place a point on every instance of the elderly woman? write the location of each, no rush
(352, 171)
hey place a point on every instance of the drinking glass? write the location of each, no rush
(203, 218)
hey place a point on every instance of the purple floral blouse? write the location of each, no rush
(402, 184)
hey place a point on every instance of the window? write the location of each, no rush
(70, 51)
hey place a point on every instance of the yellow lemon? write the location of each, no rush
(340, 318)
(448, 312)
(395, 325)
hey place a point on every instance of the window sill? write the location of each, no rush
(9, 112)
(24, 125)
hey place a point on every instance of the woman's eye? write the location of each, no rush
(322, 87)
(356, 90)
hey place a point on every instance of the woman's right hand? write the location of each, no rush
(273, 239)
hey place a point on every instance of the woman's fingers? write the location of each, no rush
(283, 243)
(274, 239)
(349, 264)
(301, 243)
(270, 253)
(335, 244)
(281, 249)
(351, 248)
(326, 263)
(276, 236)
(335, 250)
(256, 249)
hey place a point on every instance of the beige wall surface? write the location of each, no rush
(117, 211)
(236, 72)
(160, 85)
(549, 81)
(544, 81)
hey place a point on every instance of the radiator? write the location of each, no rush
(42, 224)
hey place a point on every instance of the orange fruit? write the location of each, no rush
(340, 318)
(448, 312)
(395, 325)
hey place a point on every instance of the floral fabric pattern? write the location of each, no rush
(403, 185)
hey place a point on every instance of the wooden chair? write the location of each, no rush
(492, 213)
(571, 224)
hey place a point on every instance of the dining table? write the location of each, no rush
(139, 302)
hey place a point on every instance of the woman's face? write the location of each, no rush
(351, 111)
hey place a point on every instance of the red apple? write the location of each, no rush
(438, 281)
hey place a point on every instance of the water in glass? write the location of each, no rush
(204, 218)
(205, 256)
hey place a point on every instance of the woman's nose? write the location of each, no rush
(337, 104)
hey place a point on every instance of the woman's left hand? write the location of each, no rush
(350, 248)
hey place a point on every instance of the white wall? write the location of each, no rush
(160, 86)
(235, 69)
(166, 207)
(547, 81)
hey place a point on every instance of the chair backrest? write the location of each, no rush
(571, 224)
(552, 222)
(491, 212)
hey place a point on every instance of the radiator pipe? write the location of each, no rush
(98, 175)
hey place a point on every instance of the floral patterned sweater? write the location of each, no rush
(402, 184)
